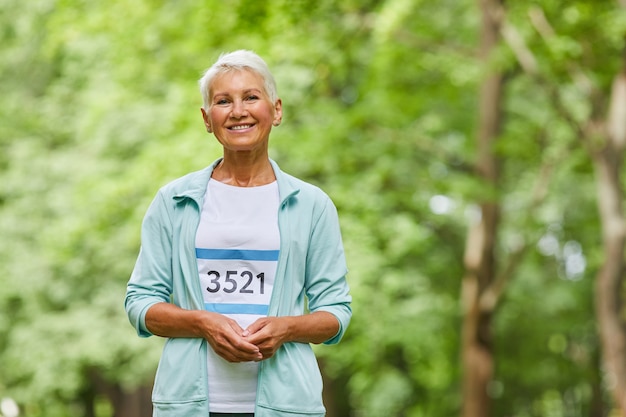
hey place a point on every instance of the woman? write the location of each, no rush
(241, 267)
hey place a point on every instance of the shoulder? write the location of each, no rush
(305, 200)
(188, 185)
(305, 190)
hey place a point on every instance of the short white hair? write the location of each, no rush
(238, 60)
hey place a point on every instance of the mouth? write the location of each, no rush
(240, 127)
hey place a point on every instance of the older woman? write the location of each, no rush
(241, 267)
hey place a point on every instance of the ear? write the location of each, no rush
(207, 122)
(278, 112)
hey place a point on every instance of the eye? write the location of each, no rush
(252, 97)
(221, 100)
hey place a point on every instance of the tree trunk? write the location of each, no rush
(607, 162)
(605, 138)
(335, 394)
(135, 403)
(479, 259)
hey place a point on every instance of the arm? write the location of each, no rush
(325, 280)
(150, 287)
(222, 333)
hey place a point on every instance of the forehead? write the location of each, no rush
(236, 80)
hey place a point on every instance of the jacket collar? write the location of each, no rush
(286, 187)
(197, 184)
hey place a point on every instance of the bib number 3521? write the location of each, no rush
(233, 281)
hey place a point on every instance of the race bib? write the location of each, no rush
(237, 281)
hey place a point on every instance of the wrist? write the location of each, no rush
(201, 322)
(290, 332)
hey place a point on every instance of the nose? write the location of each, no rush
(238, 110)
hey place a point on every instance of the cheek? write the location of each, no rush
(215, 115)
(268, 114)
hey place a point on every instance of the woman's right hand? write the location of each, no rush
(223, 334)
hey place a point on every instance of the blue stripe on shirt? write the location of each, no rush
(243, 254)
(222, 308)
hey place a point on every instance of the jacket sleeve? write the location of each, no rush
(326, 285)
(151, 280)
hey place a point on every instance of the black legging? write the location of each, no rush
(231, 414)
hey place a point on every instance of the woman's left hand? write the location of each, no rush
(268, 334)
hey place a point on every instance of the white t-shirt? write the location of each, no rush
(237, 247)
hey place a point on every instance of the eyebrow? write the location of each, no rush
(249, 90)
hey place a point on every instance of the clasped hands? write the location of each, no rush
(257, 342)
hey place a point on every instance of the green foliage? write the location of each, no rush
(100, 107)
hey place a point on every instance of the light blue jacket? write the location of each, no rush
(311, 265)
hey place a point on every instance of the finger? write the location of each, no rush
(256, 326)
(241, 353)
(233, 347)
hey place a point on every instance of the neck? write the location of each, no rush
(244, 172)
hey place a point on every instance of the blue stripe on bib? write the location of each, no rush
(222, 308)
(243, 254)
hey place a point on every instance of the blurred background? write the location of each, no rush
(473, 149)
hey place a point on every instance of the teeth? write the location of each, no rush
(240, 127)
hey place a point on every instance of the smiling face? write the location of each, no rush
(241, 114)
